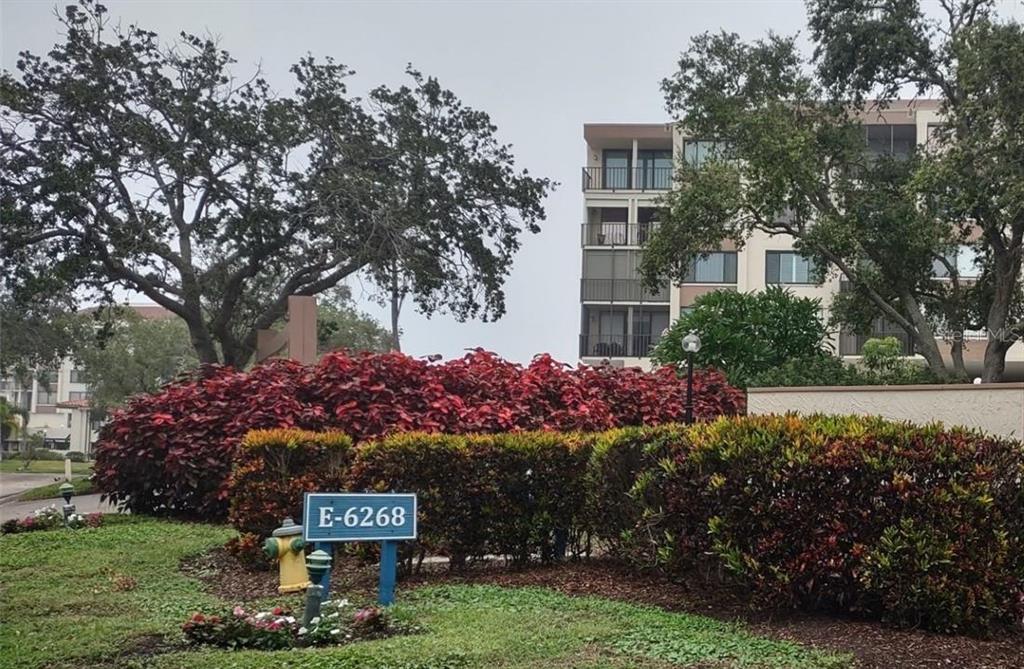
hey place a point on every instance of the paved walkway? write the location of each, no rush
(83, 504)
(14, 483)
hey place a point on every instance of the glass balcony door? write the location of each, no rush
(616, 168)
(654, 169)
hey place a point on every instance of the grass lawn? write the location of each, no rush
(82, 485)
(93, 598)
(43, 467)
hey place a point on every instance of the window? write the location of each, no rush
(79, 395)
(964, 258)
(46, 397)
(654, 169)
(696, 152)
(616, 168)
(77, 376)
(716, 267)
(613, 226)
(647, 223)
(890, 140)
(788, 267)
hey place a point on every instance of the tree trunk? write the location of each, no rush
(956, 351)
(396, 308)
(995, 359)
(206, 351)
(922, 333)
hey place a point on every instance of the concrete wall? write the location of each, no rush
(996, 408)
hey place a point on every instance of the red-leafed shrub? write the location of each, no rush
(171, 452)
(275, 468)
(918, 525)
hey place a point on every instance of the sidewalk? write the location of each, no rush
(83, 504)
(15, 483)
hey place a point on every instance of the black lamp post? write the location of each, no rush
(691, 344)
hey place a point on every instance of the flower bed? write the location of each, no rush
(339, 623)
(50, 518)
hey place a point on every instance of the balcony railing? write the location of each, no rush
(618, 234)
(627, 178)
(617, 346)
(620, 290)
(853, 344)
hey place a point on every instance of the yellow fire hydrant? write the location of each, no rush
(286, 546)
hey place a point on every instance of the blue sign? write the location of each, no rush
(331, 517)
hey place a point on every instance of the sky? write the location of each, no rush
(540, 69)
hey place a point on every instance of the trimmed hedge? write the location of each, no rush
(275, 468)
(170, 453)
(504, 494)
(917, 525)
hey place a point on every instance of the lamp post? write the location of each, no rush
(691, 344)
(66, 491)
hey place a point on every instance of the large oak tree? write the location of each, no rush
(129, 163)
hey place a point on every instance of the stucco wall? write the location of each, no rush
(994, 408)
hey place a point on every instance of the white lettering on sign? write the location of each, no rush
(363, 516)
(326, 520)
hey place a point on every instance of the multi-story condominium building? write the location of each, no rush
(57, 401)
(629, 165)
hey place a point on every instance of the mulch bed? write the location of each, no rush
(874, 645)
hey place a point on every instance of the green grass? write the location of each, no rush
(82, 485)
(43, 467)
(65, 606)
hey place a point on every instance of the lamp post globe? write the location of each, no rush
(691, 344)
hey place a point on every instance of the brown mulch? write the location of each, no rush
(874, 645)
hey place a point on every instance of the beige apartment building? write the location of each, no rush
(628, 166)
(57, 401)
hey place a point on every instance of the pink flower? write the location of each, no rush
(239, 612)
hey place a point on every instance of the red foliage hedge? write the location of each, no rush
(170, 453)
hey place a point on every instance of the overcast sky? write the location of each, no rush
(540, 69)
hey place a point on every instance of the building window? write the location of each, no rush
(654, 169)
(78, 395)
(788, 267)
(616, 168)
(964, 258)
(716, 267)
(46, 397)
(696, 152)
(890, 140)
(78, 376)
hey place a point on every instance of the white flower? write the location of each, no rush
(333, 615)
(335, 631)
(302, 630)
(315, 621)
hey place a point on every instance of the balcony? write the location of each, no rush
(617, 234)
(617, 346)
(620, 290)
(853, 344)
(627, 178)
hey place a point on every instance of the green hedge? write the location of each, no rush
(917, 525)
(920, 526)
(514, 494)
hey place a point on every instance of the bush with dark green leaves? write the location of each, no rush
(921, 526)
(745, 334)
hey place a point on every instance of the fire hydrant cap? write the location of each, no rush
(288, 529)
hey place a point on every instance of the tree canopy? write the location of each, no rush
(793, 160)
(131, 163)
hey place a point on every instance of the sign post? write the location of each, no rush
(384, 517)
